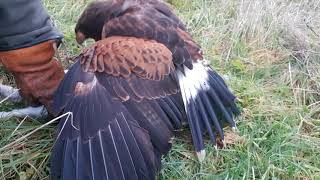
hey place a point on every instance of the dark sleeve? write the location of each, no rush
(25, 23)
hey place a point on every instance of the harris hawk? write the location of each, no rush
(143, 78)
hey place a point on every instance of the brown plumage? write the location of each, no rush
(122, 56)
(142, 79)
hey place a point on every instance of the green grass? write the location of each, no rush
(268, 52)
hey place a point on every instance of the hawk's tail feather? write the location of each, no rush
(172, 111)
(209, 104)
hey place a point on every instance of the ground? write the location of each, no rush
(268, 52)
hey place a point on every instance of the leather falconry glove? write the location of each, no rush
(37, 73)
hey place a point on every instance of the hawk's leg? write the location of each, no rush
(33, 112)
(10, 93)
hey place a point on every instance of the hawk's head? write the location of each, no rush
(93, 18)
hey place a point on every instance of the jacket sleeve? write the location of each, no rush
(25, 23)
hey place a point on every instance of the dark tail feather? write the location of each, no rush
(209, 104)
(202, 111)
(172, 111)
(222, 90)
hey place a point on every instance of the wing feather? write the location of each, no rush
(91, 160)
(103, 155)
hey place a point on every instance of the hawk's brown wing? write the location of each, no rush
(122, 117)
(123, 56)
(135, 68)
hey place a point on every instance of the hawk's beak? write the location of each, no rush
(80, 37)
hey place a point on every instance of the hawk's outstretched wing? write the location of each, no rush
(121, 92)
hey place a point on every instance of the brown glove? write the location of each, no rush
(37, 73)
